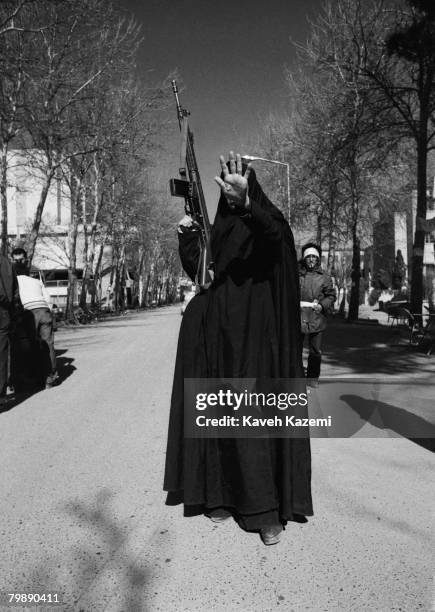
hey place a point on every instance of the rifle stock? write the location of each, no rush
(189, 187)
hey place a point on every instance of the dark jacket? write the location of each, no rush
(315, 285)
(9, 296)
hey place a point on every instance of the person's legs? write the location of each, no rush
(302, 347)
(4, 352)
(25, 374)
(44, 326)
(314, 355)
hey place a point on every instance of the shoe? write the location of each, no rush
(51, 381)
(313, 382)
(219, 515)
(271, 535)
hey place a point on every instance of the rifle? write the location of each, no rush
(189, 187)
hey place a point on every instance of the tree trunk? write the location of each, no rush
(168, 291)
(4, 199)
(140, 276)
(116, 288)
(331, 252)
(144, 303)
(97, 272)
(72, 272)
(355, 276)
(419, 236)
(90, 239)
(332, 238)
(159, 292)
(34, 232)
(342, 308)
(319, 227)
(89, 262)
(86, 270)
(72, 265)
(119, 281)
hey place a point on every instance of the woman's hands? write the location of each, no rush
(187, 224)
(234, 185)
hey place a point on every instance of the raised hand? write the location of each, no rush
(187, 224)
(316, 306)
(234, 185)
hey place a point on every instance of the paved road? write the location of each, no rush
(83, 513)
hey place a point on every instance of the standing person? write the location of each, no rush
(8, 301)
(317, 298)
(37, 301)
(399, 272)
(246, 325)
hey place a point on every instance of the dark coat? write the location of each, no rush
(315, 285)
(246, 325)
(9, 296)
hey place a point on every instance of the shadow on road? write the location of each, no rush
(386, 416)
(64, 369)
(64, 365)
(15, 399)
(100, 569)
(372, 349)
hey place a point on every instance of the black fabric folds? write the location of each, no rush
(247, 325)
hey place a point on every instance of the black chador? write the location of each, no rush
(246, 325)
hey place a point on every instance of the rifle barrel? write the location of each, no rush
(180, 111)
(194, 196)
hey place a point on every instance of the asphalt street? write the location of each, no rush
(83, 514)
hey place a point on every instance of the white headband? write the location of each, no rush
(311, 251)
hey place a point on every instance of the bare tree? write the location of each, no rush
(73, 54)
(406, 78)
(339, 134)
(16, 37)
(9, 13)
(394, 44)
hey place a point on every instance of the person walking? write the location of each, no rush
(9, 300)
(37, 301)
(245, 325)
(317, 298)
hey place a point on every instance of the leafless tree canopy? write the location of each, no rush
(360, 124)
(70, 101)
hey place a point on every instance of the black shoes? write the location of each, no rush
(219, 515)
(271, 535)
(313, 382)
(51, 380)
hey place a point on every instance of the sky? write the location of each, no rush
(231, 58)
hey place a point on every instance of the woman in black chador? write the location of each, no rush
(246, 325)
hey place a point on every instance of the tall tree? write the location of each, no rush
(16, 37)
(412, 93)
(85, 39)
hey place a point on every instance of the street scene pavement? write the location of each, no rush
(82, 506)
